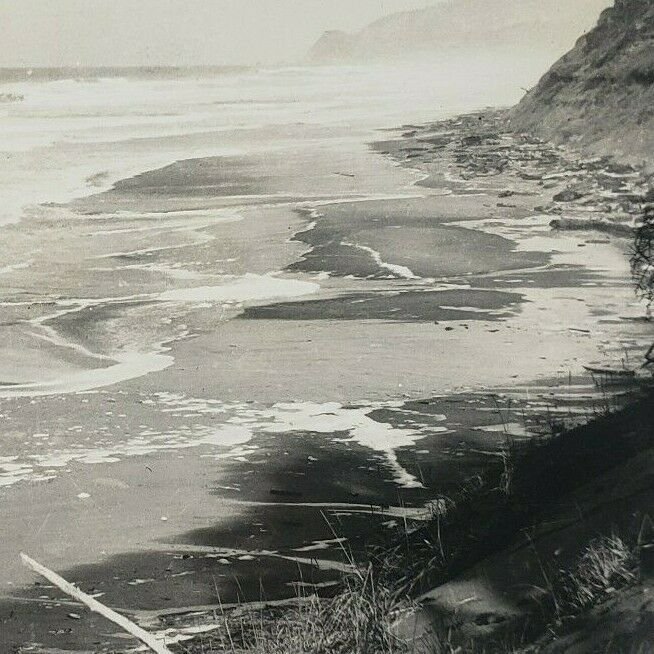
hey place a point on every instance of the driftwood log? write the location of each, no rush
(130, 627)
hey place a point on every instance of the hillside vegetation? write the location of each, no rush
(600, 96)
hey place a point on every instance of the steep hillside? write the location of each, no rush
(601, 94)
(543, 25)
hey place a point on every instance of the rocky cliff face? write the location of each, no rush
(600, 96)
(520, 25)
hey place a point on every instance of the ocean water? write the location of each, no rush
(141, 210)
(275, 137)
(70, 137)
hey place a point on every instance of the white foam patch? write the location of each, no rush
(179, 221)
(469, 309)
(318, 545)
(172, 271)
(399, 271)
(122, 365)
(128, 365)
(249, 288)
(332, 417)
(509, 428)
(131, 363)
(12, 472)
(239, 424)
(223, 436)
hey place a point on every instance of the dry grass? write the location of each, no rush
(363, 617)
(606, 565)
(360, 619)
(508, 455)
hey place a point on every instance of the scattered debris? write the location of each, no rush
(593, 194)
(611, 371)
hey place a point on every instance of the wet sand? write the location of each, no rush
(359, 379)
(417, 235)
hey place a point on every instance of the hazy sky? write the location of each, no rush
(133, 32)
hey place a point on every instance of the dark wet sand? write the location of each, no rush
(408, 306)
(410, 233)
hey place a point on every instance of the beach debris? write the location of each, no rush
(601, 224)
(601, 194)
(130, 627)
(611, 371)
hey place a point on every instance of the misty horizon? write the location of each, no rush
(175, 34)
(119, 34)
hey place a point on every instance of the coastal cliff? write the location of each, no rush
(549, 26)
(600, 95)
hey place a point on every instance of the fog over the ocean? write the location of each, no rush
(175, 32)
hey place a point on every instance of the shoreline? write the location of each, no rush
(445, 446)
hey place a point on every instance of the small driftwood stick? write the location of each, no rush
(146, 638)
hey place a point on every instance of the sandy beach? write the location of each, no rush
(203, 359)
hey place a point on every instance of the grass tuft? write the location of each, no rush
(607, 564)
(360, 619)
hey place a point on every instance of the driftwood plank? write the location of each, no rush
(130, 627)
